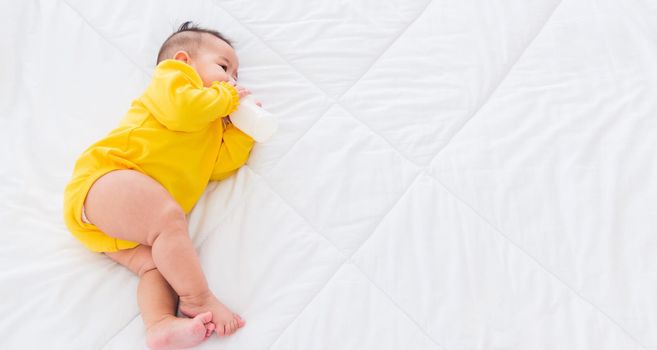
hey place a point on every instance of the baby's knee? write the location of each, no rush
(172, 213)
(139, 260)
(142, 261)
(171, 221)
(145, 266)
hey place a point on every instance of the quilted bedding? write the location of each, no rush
(447, 175)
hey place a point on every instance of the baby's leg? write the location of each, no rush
(129, 205)
(157, 301)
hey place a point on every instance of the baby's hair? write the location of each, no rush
(187, 38)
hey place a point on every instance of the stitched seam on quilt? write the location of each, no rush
(502, 79)
(401, 309)
(387, 141)
(333, 101)
(388, 47)
(347, 259)
(317, 233)
(499, 83)
(464, 202)
(350, 260)
(537, 262)
(86, 21)
(375, 285)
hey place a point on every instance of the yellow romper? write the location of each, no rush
(173, 133)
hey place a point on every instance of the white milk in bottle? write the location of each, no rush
(254, 120)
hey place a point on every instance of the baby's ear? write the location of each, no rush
(182, 56)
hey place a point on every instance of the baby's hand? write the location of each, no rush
(243, 92)
(240, 90)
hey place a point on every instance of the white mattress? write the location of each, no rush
(447, 175)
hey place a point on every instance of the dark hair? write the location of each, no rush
(188, 37)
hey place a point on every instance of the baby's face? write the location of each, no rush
(214, 60)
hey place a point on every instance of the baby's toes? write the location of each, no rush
(231, 327)
(221, 330)
(225, 329)
(240, 321)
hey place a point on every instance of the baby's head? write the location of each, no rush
(207, 51)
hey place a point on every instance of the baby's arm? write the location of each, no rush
(234, 152)
(178, 99)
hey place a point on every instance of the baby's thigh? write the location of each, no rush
(129, 205)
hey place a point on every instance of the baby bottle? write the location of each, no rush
(254, 120)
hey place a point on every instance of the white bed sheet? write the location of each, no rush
(447, 175)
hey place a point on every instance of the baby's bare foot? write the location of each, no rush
(179, 333)
(226, 321)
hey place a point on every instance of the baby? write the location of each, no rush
(130, 191)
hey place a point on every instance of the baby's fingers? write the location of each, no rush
(209, 328)
(243, 92)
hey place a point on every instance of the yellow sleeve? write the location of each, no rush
(178, 100)
(233, 153)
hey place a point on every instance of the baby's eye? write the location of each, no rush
(224, 67)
